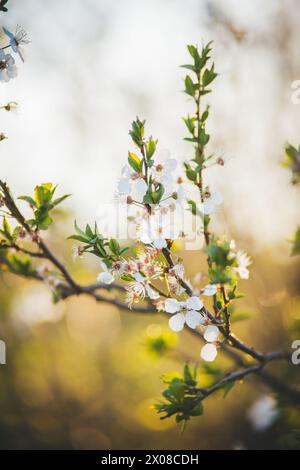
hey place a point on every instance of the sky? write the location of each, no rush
(92, 66)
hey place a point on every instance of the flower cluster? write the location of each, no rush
(149, 271)
(152, 183)
(8, 68)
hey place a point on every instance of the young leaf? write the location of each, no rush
(189, 86)
(135, 162)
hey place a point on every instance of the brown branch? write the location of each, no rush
(71, 288)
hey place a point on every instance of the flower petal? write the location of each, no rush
(177, 322)
(170, 165)
(140, 189)
(160, 243)
(210, 289)
(124, 186)
(194, 303)
(138, 277)
(106, 277)
(152, 294)
(217, 198)
(172, 305)
(208, 207)
(193, 319)
(211, 333)
(209, 352)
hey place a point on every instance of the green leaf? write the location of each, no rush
(150, 147)
(205, 115)
(89, 232)
(44, 222)
(43, 193)
(189, 86)
(6, 229)
(189, 67)
(127, 277)
(203, 137)
(137, 132)
(28, 199)
(193, 50)
(147, 199)
(190, 123)
(197, 410)
(193, 207)
(135, 162)
(60, 199)
(191, 174)
(157, 195)
(208, 76)
(114, 246)
(227, 387)
(79, 238)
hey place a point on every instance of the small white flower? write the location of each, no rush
(8, 68)
(209, 205)
(152, 294)
(180, 195)
(156, 231)
(175, 286)
(132, 184)
(105, 277)
(211, 333)
(209, 352)
(263, 413)
(178, 270)
(162, 172)
(210, 289)
(243, 261)
(16, 40)
(185, 312)
(140, 288)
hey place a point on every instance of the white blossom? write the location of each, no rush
(138, 289)
(162, 172)
(263, 413)
(185, 312)
(155, 230)
(16, 40)
(209, 205)
(8, 68)
(210, 289)
(243, 261)
(209, 352)
(132, 184)
(211, 333)
(105, 277)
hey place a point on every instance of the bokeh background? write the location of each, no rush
(81, 375)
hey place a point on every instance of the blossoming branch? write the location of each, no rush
(148, 276)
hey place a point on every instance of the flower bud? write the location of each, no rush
(220, 161)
